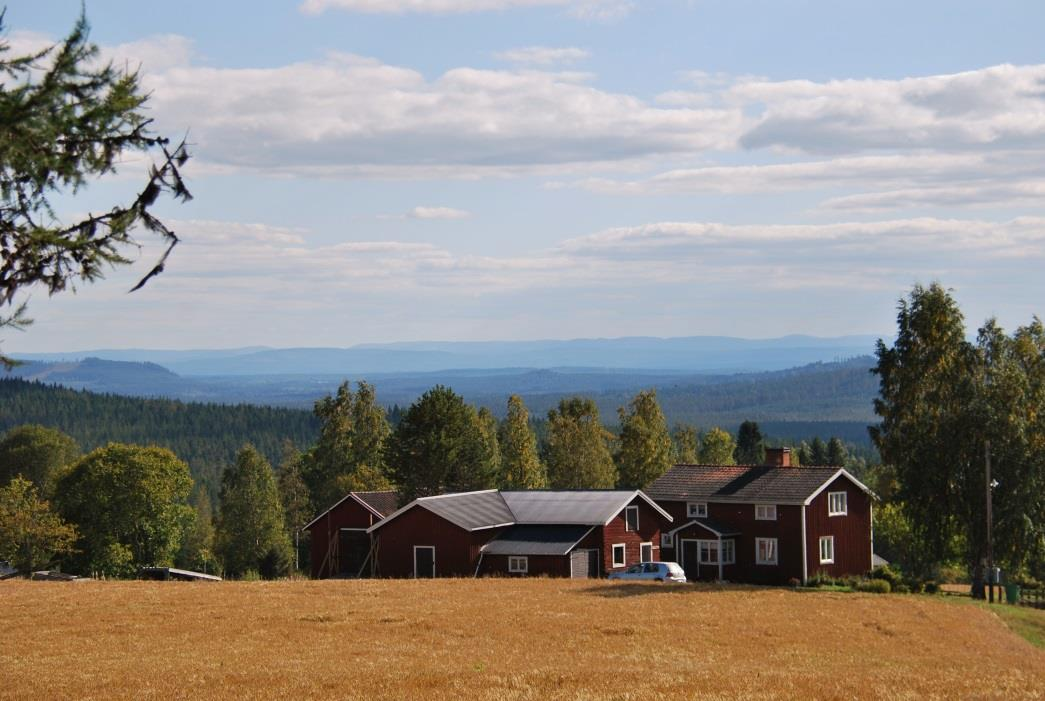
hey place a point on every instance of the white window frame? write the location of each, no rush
(765, 512)
(696, 509)
(729, 551)
(774, 548)
(829, 552)
(518, 564)
(642, 546)
(832, 509)
(665, 540)
(627, 525)
(711, 549)
(623, 555)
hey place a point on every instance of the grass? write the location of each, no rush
(500, 639)
(1026, 622)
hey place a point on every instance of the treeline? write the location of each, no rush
(206, 436)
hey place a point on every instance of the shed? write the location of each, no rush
(339, 544)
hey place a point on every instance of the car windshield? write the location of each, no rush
(634, 569)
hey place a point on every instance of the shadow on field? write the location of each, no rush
(615, 590)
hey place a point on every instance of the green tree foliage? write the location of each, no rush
(297, 505)
(31, 535)
(685, 444)
(207, 436)
(751, 447)
(644, 451)
(130, 505)
(350, 452)
(577, 452)
(521, 468)
(250, 534)
(836, 452)
(37, 453)
(66, 120)
(817, 452)
(717, 448)
(488, 428)
(439, 447)
(941, 399)
(197, 549)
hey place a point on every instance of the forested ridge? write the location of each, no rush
(207, 436)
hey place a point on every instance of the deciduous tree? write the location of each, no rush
(717, 447)
(31, 535)
(130, 506)
(521, 467)
(38, 454)
(578, 454)
(685, 444)
(644, 452)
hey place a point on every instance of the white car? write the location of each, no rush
(656, 571)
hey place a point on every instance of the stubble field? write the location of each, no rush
(499, 639)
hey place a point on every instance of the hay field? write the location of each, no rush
(499, 639)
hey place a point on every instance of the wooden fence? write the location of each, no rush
(1035, 598)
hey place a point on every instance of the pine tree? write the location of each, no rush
(836, 453)
(439, 447)
(685, 444)
(645, 445)
(818, 452)
(578, 454)
(751, 449)
(521, 468)
(251, 535)
(488, 429)
(717, 448)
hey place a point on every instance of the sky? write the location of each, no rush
(394, 170)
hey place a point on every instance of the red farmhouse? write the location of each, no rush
(765, 524)
(340, 544)
(554, 533)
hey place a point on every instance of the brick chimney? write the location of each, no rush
(778, 457)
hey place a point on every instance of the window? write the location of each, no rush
(618, 555)
(631, 518)
(696, 509)
(665, 540)
(765, 512)
(708, 552)
(518, 564)
(827, 549)
(646, 552)
(765, 551)
(836, 504)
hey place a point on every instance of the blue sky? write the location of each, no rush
(389, 170)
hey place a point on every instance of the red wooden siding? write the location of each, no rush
(348, 514)
(651, 525)
(537, 565)
(456, 550)
(852, 532)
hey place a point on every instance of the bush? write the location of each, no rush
(916, 586)
(902, 588)
(875, 586)
(932, 588)
(251, 576)
(887, 574)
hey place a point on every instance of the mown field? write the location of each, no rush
(500, 639)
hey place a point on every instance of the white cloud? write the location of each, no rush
(594, 9)
(542, 55)
(438, 213)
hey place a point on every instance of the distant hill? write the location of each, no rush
(207, 436)
(146, 379)
(696, 354)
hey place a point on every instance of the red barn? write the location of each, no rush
(584, 533)
(765, 524)
(340, 544)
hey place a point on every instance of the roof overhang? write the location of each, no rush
(644, 497)
(696, 522)
(571, 546)
(842, 472)
(350, 495)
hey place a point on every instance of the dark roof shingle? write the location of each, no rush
(740, 483)
(383, 503)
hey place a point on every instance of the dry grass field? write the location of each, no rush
(500, 639)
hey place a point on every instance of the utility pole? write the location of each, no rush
(990, 522)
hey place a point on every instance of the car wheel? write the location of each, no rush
(659, 579)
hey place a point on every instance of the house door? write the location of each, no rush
(354, 546)
(424, 561)
(584, 564)
(691, 559)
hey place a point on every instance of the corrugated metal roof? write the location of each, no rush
(470, 510)
(536, 540)
(383, 503)
(581, 507)
(740, 483)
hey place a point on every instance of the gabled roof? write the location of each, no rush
(717, 528)
(381, 504)
(580, 507)
(747, 484)
(475, 511)
(537, 540)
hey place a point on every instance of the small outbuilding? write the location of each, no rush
(340, 545)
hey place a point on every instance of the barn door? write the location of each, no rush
(584, 564)
(354, 548)
(424, 561)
